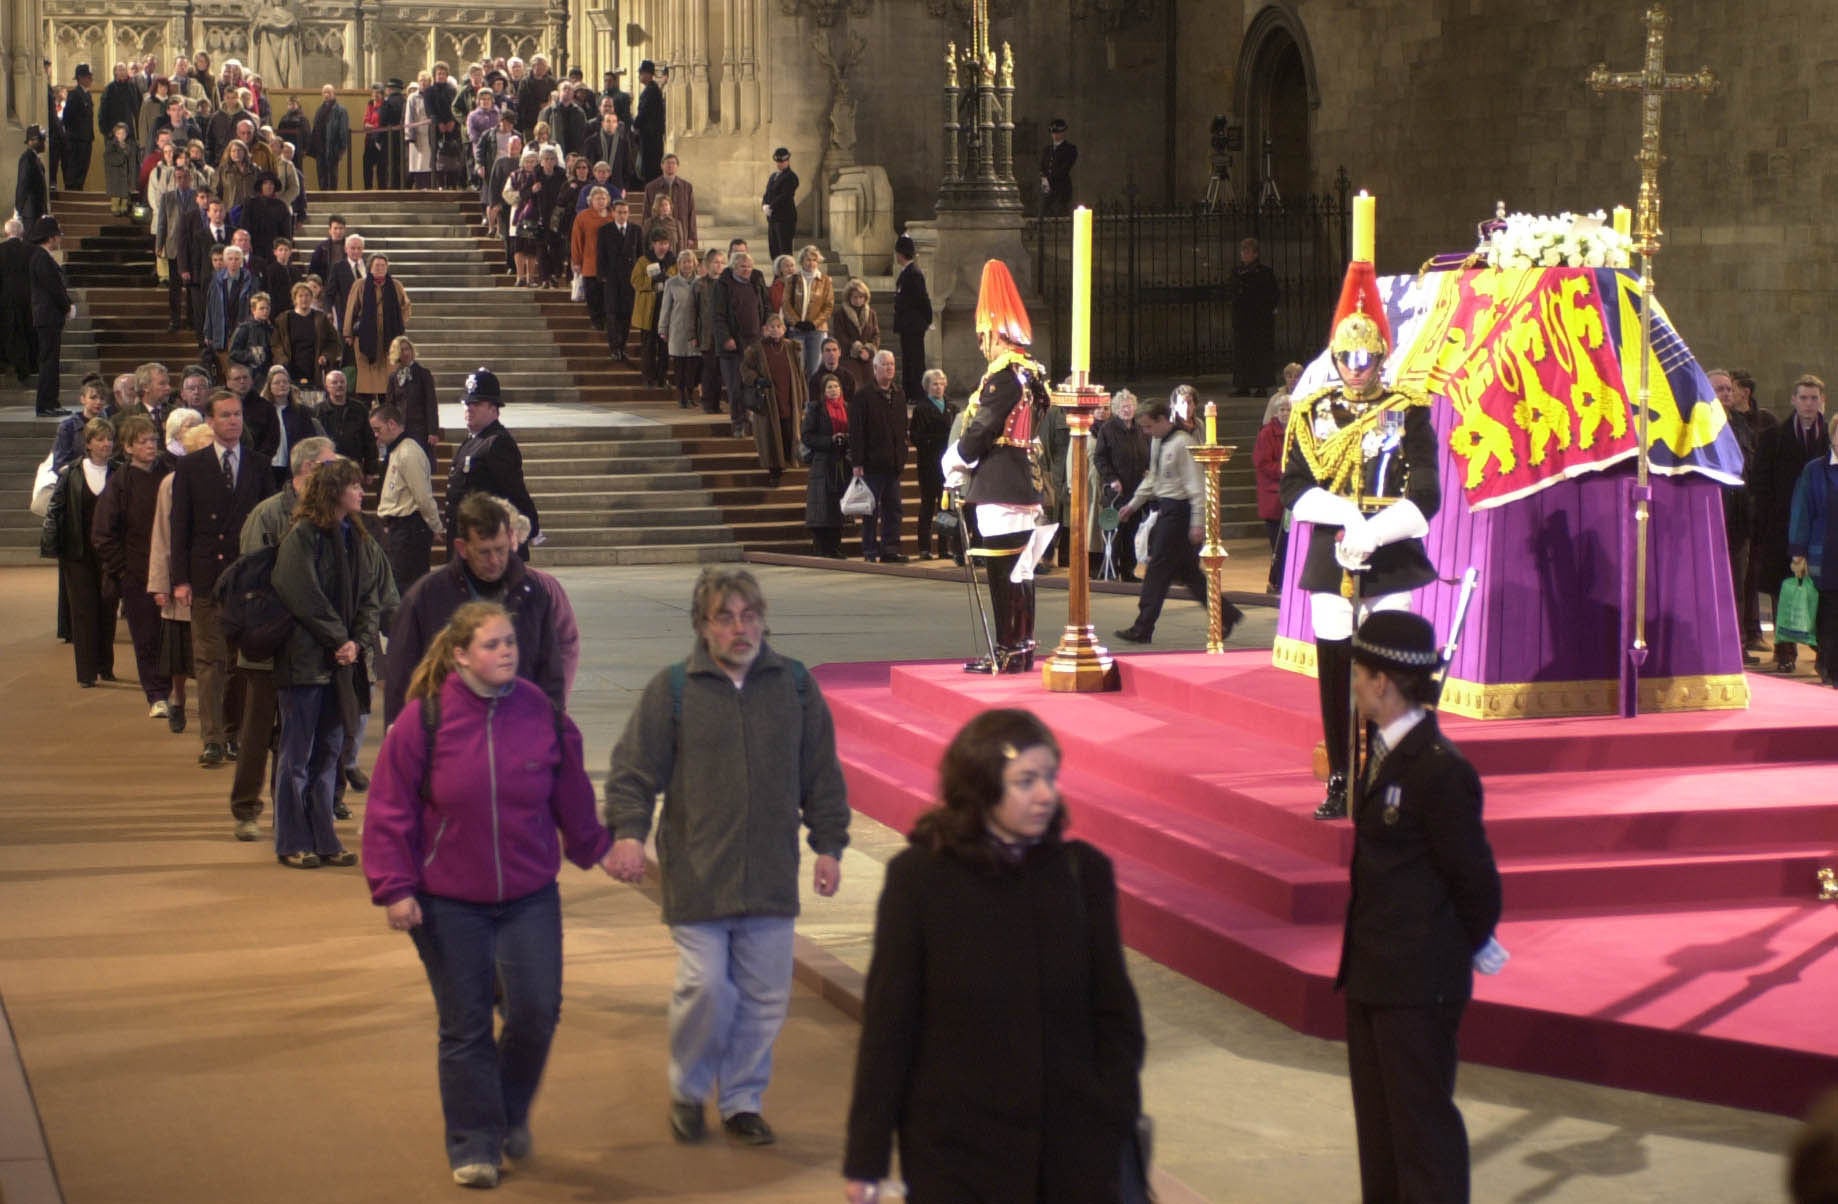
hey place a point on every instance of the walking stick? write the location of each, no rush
(978, 611)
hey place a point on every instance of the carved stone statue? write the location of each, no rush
(274, 43)
(842, 100)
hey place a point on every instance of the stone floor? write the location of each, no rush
(1246, 1109)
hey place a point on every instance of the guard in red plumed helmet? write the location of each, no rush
(999, 455)
(1359, 466)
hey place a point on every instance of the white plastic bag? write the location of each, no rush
(1142, 535)
(44, 480)
(578, 290)
(858, 499)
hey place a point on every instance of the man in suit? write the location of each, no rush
(51, 308)
(780, 204)
(79, 130)
(1420, 921)
(1781, 455)
(31, 191)
(1056, 160)
(650, 122)
(193, 238)
(912, 315)
(619, 247)
(682, 196)
(178, 208)
(344, 276)
(390, 116)
(213, 491)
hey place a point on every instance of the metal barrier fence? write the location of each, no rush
(1162, 281)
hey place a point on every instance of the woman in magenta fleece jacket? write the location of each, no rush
(465, 860)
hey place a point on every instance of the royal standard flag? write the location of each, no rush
(1540, 367)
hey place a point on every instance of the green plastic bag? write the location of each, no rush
(1798, 620)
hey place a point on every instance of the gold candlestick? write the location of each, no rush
(1213, 457)
(1080, 665)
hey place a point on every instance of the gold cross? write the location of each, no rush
(1652, 82)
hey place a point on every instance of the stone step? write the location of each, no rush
(712, 531)
(684, 553)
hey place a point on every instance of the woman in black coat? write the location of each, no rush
(122, 532)
(1001, 1038)
(825, 438)
(411, 387)
(66, 537)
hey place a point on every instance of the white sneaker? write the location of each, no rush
(476, 1174)
(159, 710)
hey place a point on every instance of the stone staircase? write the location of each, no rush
(620, 473)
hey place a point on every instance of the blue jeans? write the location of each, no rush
(733, 986)
(487, 1081)
(306, 768)
(812, 342)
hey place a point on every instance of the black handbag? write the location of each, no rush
(759, 395)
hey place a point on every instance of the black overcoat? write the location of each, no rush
(1426, 892)
(1001, 1038)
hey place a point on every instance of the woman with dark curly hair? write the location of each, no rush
(1001, 1038)
(330, 575)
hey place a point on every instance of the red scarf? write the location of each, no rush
(838, 410)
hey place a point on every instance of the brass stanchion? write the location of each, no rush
(1080, 665)
(1212, 457)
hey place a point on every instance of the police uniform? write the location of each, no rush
(1425, 901)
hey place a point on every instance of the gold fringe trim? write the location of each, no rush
(1556, 699)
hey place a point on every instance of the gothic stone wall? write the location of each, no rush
(1440, 108)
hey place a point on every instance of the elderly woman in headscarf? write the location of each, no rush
(378, 310)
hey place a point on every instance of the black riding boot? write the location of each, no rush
(1021, 597)
(1001, 618)
(1334, 677)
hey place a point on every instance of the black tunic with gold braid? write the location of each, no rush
(1374, 453)
(1002, 434)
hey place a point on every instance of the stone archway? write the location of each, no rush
(1277, 97)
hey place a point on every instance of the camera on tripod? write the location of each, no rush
(1227, 138)
(1227, 135)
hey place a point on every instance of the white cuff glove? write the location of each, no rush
(1323, 509)
(952, 462)
(652, 269)
(1354, 547)
(1491, 958)
(767, 210)
(1398, 521)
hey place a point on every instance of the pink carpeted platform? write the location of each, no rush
(1660, 873)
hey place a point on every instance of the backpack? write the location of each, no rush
(430, 724)
(679, 678)
(255, 621)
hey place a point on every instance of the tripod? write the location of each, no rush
(1268, 197)
(1219, 188)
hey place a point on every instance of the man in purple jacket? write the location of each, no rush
(484, 567)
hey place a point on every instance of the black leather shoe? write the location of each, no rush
(749, 1128)
(212, 756)
(1130, 635)
(339, 810)
(231, 751)
(1334, 806)
(687, 1124)
(175, 718)
(359, 780)
(886, 558)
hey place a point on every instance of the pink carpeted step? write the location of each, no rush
(1625, 970)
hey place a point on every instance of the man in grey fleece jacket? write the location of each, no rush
(740, 743)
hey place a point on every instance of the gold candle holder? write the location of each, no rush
(1212, 457)
(1080, 665)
